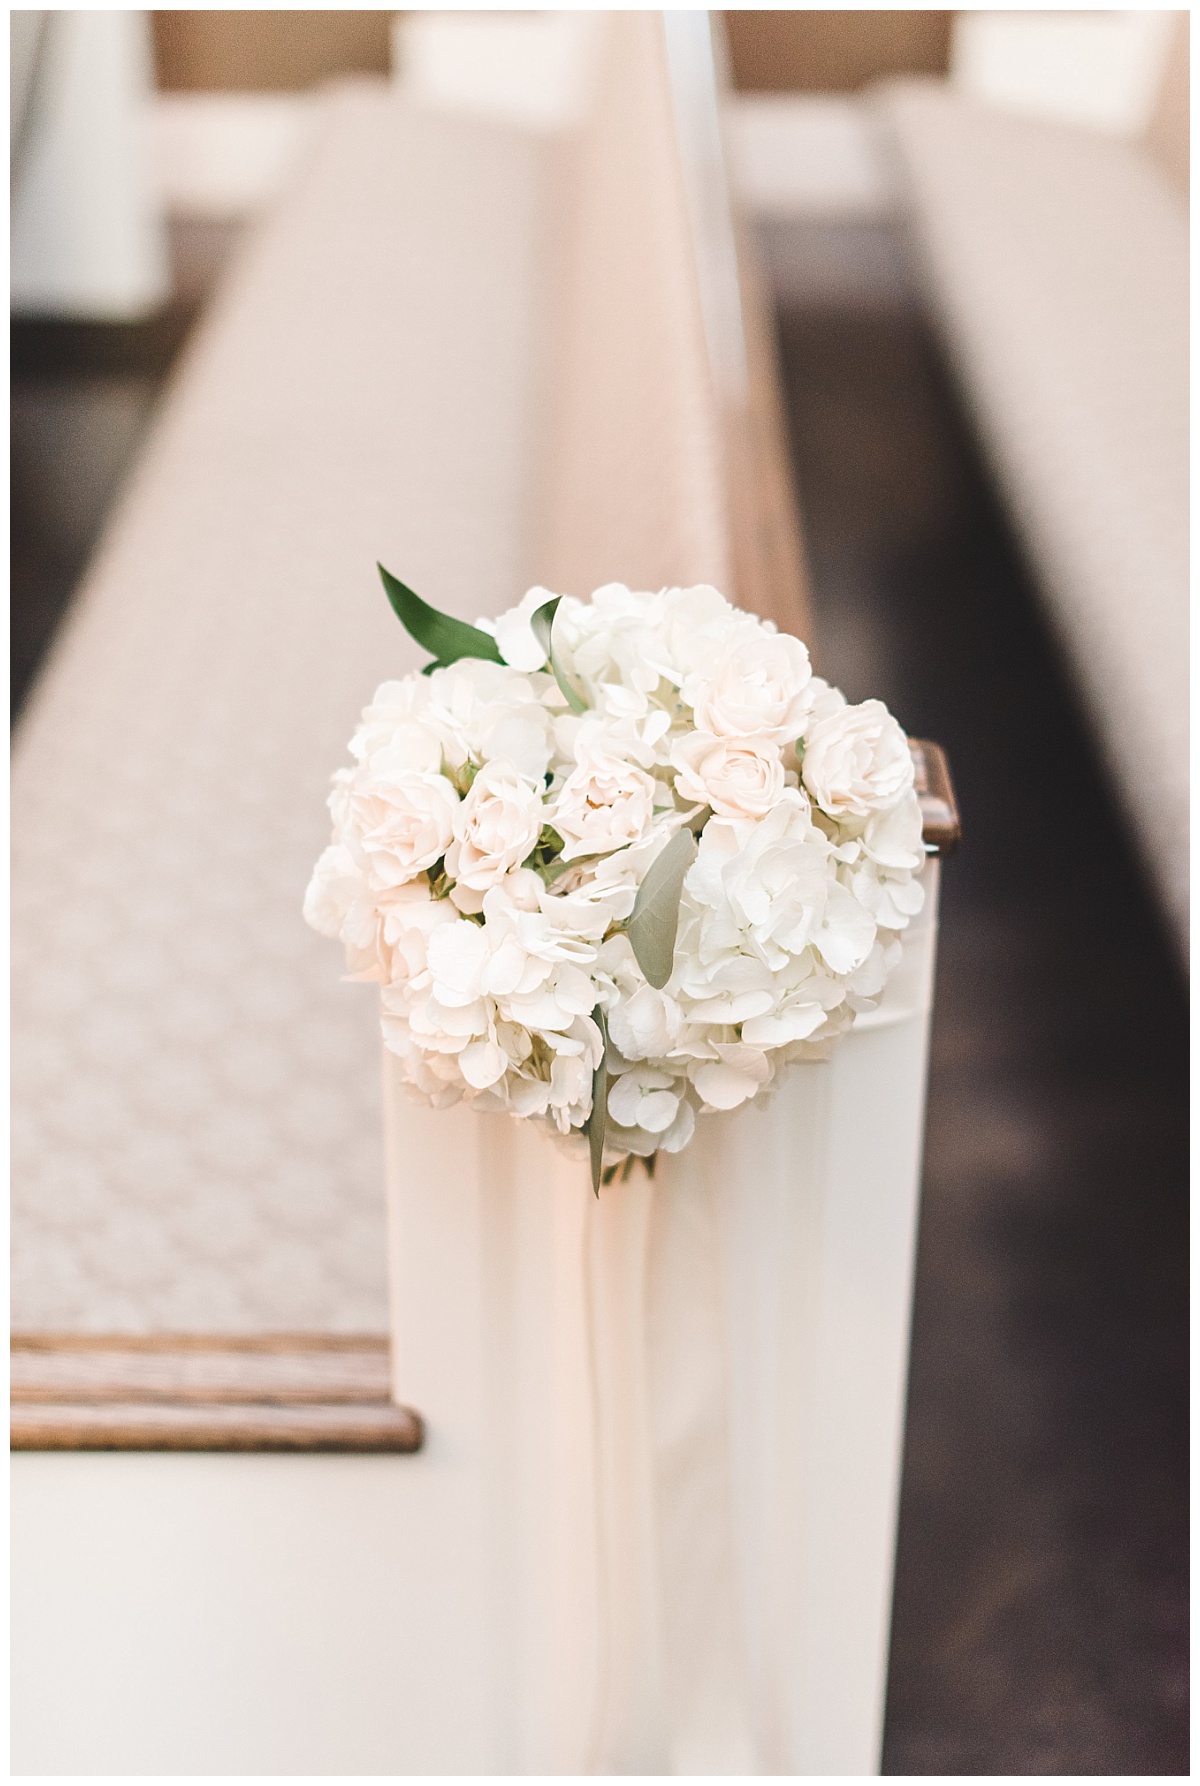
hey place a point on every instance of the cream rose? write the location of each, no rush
(496, 826)
(759, 689)
(484, 711)
(603, 805)
(401, 821)
(394, 718)
(857, 761)
(697, 624)
(805, 875)
(740, 778)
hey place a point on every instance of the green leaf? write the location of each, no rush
(552, 872)
(654, 920)
(542, 627)
(598, 1120)
(447, 638)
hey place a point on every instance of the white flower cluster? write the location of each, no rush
(490, 841)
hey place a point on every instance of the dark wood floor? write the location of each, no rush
(1040, 1614)
(1040, 1618)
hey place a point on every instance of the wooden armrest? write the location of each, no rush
(206, 1392)
(939, 808)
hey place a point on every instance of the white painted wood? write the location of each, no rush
(88, 237)
(676, 1413)
(1100, 70)
(246, 1614)
(227, 156)
(819, 1202)
(808, 155)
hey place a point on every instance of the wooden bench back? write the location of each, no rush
(666, 460)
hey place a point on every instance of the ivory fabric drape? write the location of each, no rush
(672, 1418)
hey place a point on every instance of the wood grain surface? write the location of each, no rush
(206, 1392)
(941, 828)
(770, 570)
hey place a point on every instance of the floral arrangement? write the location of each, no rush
(615, 862)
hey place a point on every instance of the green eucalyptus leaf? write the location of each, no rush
(554, 871)
(542, 627)
(542, 622)
(447, 638)
(598, 1120)
(654, 920)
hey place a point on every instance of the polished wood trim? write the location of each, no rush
(136, 1426)
(941, 828)
(770, 575)
(161, 1368)
(770, 571)
(206, 1392)
(50, 1341)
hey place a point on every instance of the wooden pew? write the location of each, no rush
(430, 355)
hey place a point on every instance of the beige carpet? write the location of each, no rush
(196, 1096)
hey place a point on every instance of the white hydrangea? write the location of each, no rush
(490, 839)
